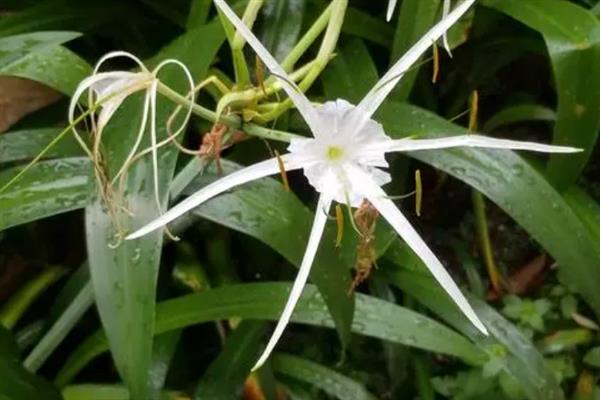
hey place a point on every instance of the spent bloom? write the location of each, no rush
(107, 91)
(344, 161)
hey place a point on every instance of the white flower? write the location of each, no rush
(108, 90)
(344, 162)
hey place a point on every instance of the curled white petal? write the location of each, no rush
(300, 101)
(473, 141)
(398, 221)
(307, 261)
(445, 12)
(390, 9)
(382, 89)
(248, 174)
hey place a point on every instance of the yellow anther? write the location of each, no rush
(418, 192)
(339, 217)
(436, 63)
(473, 114)
(282, 171)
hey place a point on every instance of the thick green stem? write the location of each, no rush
(230, 120)
(334, 27)
(307, 40)
(242, 74)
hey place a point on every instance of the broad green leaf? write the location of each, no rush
(107, 392)
(276, 222)
(17, 383)
(26, 144)
(124, 278)
(225, 376)
(514, 185)
(519, 113)
(586, 208)
(592, 357)
(416, 17)
(365, 26)
(326, 379)
(40, 57)
(521, 360)
(351, 73)
(48, 188)
(374, 317)
(47, 15)
(283, 22)
(572, 36)
(198, 13)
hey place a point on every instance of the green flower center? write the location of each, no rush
(334, 153)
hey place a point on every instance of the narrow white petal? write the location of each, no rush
(398, 221)
(390, 10)
(445, 12)
(153, 142)
(474, 141)
(300, 101)
(115, 54)
(248, 174)
(309, 256)
(380, 91)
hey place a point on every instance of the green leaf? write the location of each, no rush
(108, 392)
(225, 376)
(198, 13)
(48, 188)
(506, 346)
(326, 379)
(572, 36)
(586, 208)
(283, 22)
(519, 113)
(13, 309)
(39, 57)
(516, 187)
(17, 383)
(124, 278)
(351, 74)
(592, 357)
(21, 145)
(363, 25)
(277, 221)
(164, 347)
(374, 317)
(59, 330)
(47, 15)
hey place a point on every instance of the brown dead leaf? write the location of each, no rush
(19, 97)
(525, 279)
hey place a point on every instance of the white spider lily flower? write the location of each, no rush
(343, 161)
(110, 89)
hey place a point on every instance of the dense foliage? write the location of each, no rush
(185, 313)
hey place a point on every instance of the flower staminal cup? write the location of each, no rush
(344, 162)
(108, 90)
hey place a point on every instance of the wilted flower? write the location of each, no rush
(108, 91)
